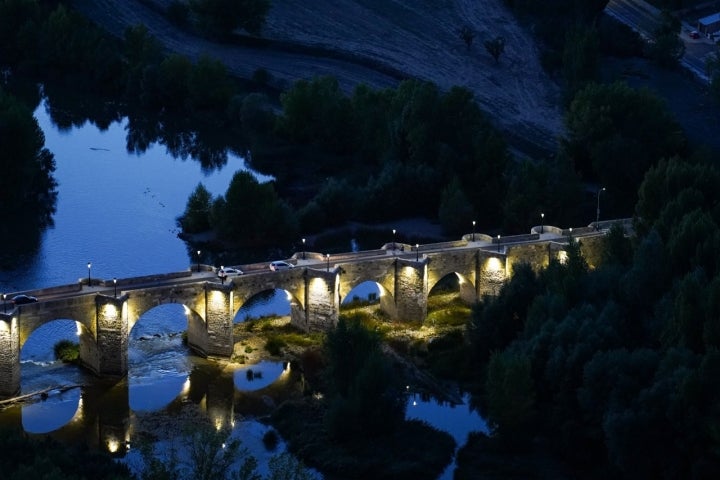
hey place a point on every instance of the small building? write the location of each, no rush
(709, 24)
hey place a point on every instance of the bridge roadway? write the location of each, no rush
(106, 311)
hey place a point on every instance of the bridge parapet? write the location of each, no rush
(528, 237)
(147, 279)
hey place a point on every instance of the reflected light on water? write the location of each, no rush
(186, 387)
(113, 445)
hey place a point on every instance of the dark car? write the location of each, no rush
(23, 299)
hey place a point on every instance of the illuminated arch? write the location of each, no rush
(465, 288)
(385, 299)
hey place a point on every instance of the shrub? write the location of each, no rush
(274, 345)
(67, 351)
(270, 439)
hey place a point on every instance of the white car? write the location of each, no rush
(280, 265)
(229, 272)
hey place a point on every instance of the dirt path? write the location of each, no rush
(379, 38)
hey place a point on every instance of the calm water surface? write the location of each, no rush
(118, 210)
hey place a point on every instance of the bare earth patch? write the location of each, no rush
(371, 41)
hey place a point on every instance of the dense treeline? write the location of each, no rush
(616, 368)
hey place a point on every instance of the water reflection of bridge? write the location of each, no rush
(106, 311)
(104, 418)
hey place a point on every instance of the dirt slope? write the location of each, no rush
(416, 37)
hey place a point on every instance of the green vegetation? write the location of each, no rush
(358, 429)
(611, 368)
(67, 351)
(495, 47)
(222, 17)
(23, 457)
(567, 30)
(615, 133)
(667, 47)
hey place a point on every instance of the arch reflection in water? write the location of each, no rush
(51, 414)
(158, 361)
(259, 375)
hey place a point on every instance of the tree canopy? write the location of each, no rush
(222, 17)
(615, 133)
(610, 367)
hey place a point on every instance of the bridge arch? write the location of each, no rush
(81, 335)
(381, 296)
(271, 301)
(455, 282)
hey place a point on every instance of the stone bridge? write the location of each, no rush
(106, 311)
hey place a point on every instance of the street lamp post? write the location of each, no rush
(4, 302)
(597, 217)
(498, 242)
(198, 260)
(303, 248)
(473, 236)
(542, 223)
(327, 256)
(89, 281)
(394, 247)
(417, 252)
(115, 285)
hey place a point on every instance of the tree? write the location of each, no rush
(455, 212)
(317, 112)
(287, 467)
(222, 17)
(366, 398)
(614, 134)
(495, 47)
(467, 35)
(251, 211)
(712, 68)
(510, 395)
(196, 218)
(667, 48)
(580, 58)
(209, 86)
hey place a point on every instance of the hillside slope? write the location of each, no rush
(370, 41)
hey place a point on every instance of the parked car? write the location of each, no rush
(695, 34)
(229, 272)
(23, 299)
(280, 265)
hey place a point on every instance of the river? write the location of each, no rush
(116, 210)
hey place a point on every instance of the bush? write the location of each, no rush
(67, 351)
(271, 440)
(274, 345)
